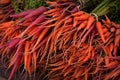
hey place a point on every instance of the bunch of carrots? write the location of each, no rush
(64, 41)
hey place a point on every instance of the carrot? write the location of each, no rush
(40, 37)
(4, 2)
(86, 76)
(87, 57)
(117, 26)
(70, 69)
(87, 33)
(13, 43)
(57, 68)
(91, 20)
(17, 52)
(78, 13)
(52, 10)
(100, 61)
(37, 11)
(75, 22)
(26, 49)
(29, 20)
(34, 59)
(26, 24)
(117, 37)
(51, 3)
(42, 42)
(107, 34)
(82, 25)
(107, 61)
(82, 17)
(15, 67)
(107, 20)
(28, 68)
(112, 64)
(78, 74)
(104, 21)
(99, 29)
(38, 20)
(74, 10)
(69, 20)
(58, 63)
(111, 46)
(22, 14)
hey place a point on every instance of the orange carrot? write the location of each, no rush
(107, 61)
(75, 22)
(99, 29)
(107, 20)
(69, 20)
(91, 20)
(111, 46)
(51, 3)
(26, 49)
(117, 37)
(52, 10)
(40, 37)
(57, 68)
(28, 68)
(111, 64)
(68, 70)
(100, 61)
(82, 17)
(34, 59)
(107, 34)
(78, 13)
(82, 25)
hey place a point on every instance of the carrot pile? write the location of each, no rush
(64, 41)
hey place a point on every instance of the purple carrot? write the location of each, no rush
(37, 11)
(38, 20)
(22, 14)
(74, 9)
(30, 19)
(13, 42)
(15, 66)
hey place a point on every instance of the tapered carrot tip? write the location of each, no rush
(100, 31)
(107, 20)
